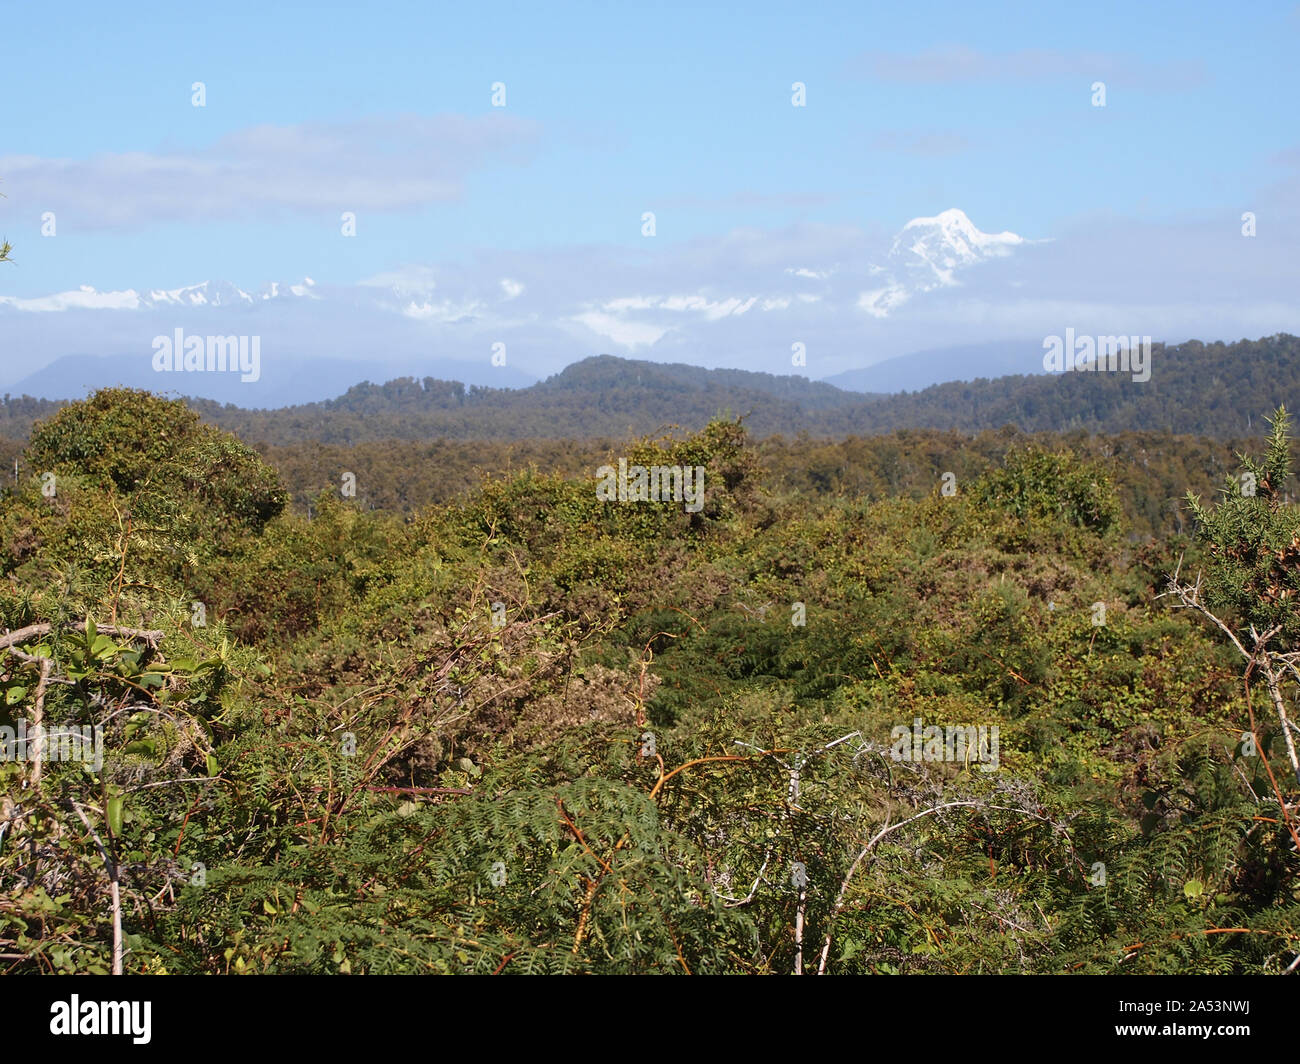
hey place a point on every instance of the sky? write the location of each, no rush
(526, 221)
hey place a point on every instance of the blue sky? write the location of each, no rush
(684, 110)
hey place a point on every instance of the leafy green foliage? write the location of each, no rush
(1254, 541)
(1033, 485)
(528, 730)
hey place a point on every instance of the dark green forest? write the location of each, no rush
(384, 685)
(1195, 389)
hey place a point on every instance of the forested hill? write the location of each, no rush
(1194, 388)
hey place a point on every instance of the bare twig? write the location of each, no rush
(38, 721)
(115, 896)
(22, 635)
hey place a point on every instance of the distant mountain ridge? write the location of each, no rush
(1220, 390)
(966, 362)
(278, 381)
(304, 358)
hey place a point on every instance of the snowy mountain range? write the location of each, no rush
(512, 322)
(207, 294)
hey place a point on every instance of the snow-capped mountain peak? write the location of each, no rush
(927, 253)
(225, 294)
(946, 242)
(209, 293)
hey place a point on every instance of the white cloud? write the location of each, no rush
(405, 281)
(623, 303)
(373, 164)
(880, 302)
(85, 298)
(627, 333)
(711, 309)
(445, 311)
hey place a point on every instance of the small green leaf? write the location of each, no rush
(14, 695)
(1193, 888)
(213, 767)
(114, 813)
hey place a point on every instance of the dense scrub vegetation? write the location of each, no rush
(1153, 471)
(524, 730)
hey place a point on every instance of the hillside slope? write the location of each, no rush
(1194, 388)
